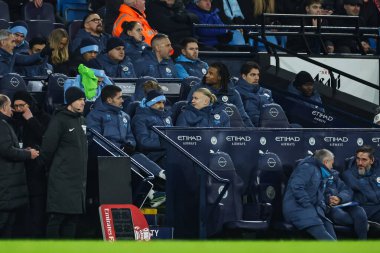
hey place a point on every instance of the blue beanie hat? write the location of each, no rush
(19, 26)
(154, 96)
(88, 45)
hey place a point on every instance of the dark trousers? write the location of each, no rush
(37, 216)
(353, 215)
(7, 221)
(62, 225)
(322, 232)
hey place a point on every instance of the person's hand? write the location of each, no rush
(34, 153)
(27, 113)
(330, 49)
(128, 148)
(366, 46)
(38, 3)
(334, 200)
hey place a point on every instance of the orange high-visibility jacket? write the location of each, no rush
(129, 14)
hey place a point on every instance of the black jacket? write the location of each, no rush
(64, 151)
(13, 189)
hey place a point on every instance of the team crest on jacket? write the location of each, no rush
(204, 71)
(168, 70)
(378, 180)
(125, 121)
(167, 120)
(125, 69)
(217, 116)
(224, 99)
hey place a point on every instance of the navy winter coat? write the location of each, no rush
(253, 98)
(315, 98)
(366, 188)
(149, 66)
(123, 69)
(186, 67)
(231, 97)
(303, 203)
(102, 40)
(133, 48)
(210, 116)
(9, 61)
(111, 122)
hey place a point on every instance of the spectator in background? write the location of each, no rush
(151, 112)
(134, 10)
(87, 50)
(10, 60)
(217, 80)
(16, 6)
(64, 151)
(59, 59)
(303, 203)
(92, 27)
(156, 61)
(171, 18)
(303, 86)
(133, 38)
(362, 175)
(211, 37)
(204, 111)
(112, 12)
(370, 14)
(42, 68)
(188, 63)
(115, 63)
(13, 186)
(19, 29)
(91, 80)
(30, 123)
(252, 95)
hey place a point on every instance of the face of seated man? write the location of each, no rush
(252, 77)
(200, 100)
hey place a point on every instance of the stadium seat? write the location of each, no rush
(272, 115)
(233, 113)
(45, 12)
(55, 91)
(4, 11)
(39, 28)
(186, 85)
(73, 28)
(11, 83)
(4, 24)
(131, 108)
(139, 90)
(177, 109)
(228, 214)
(72, 9)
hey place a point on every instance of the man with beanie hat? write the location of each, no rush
(92, 27)
(151, 112)
(64, 151)
(87, 50)
(13, 187)
(19, 29)
(91, 80)
(115, 62)
(30, 123)
(303, 86)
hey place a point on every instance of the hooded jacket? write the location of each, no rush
(209, 116)
(82, 34)
(186, 67)
(133, 48)
(315, 98)
(123, 69)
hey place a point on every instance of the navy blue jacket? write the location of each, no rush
(111, 122)
(303, 203)
(9, 61)
(208, 36)
(148, 141)
(366, 188)
(336, 187)
(42, 69)
(186, 67)
(22, 49)
(149, 66)
(253, 98)
(133, 48)
(209, 116)
(123, 69)
(315, 97)
(231, 96)
(102, 40)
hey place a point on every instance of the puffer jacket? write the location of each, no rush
(123, 69)
(209, 116)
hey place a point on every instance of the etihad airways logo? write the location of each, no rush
(189, 140)
(288, 141)
(334, 141)
(238, 140)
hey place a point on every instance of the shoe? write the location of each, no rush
(158, 199)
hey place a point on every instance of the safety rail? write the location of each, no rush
(203, 176)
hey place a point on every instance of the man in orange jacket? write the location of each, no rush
(133, 10)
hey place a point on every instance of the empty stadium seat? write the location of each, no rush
(73, 28)
(272, 115)
(228, 214)
(186, 85)
(39, 28)
(131, 108)
(55, 91)
(4, 24)
(11, 83)
(4, 11)
(72, 9)
(45, 12)
(233, 113)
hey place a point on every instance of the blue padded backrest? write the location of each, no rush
(230, 207)
(4, 10)
(131, 108)
(234, 115)
(55, 91)
(186, 85)
(139, 91)
(45, 12)
(177, 109)
(10, 83)
(272, 115)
